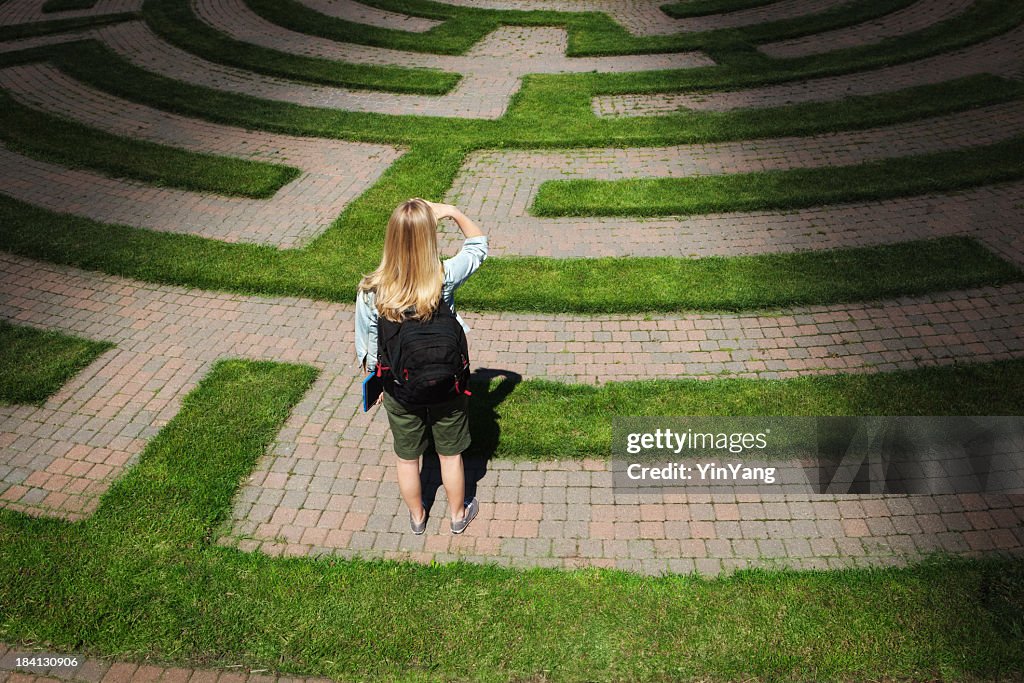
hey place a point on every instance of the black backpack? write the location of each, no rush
(423, 362)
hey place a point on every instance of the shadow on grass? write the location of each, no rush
(484, 427)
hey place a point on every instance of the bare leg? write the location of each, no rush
(454, 478)
(409, 486)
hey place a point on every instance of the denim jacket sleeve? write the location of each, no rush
(366, 331)
(458, 268)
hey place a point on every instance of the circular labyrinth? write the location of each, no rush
(788, 197)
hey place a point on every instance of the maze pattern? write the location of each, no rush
(326, 484)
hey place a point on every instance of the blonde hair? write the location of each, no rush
(410, 274)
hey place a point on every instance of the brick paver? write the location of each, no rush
(326, 485)
(105, 670)
(334, 172)
(28, 11)
(1003, 56)
(916, 17)
(349, 10)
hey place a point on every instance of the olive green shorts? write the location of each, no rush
(448, 422)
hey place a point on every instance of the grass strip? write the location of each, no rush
(38, 134)
(788, 189)
(175, 21)
(36, 363)
(661, 284)
(67, 5)
(42, 28)
(143, 579)
(701, 8)
(544, 420)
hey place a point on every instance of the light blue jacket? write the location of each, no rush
(456, 271)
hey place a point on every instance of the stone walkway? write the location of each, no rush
(334, 172)
(1001, 56)
(97, 670)
(326, 485)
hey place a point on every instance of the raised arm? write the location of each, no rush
(465, 223)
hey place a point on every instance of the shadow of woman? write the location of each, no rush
(483, 426)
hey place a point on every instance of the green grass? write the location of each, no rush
(700, 8)
(175, 22)
(786, 189)
(634, 285)
(544, 420)
(36, 363)
(67, 5)
(38, 134)
(143, 579)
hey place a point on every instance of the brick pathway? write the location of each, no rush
(103, 670)
(1002, 56)
(916, 17)
(326, 485)
(334, 172)
(27, 11)
(349, 10)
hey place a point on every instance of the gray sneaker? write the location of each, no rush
(418, 529)
(472, 507)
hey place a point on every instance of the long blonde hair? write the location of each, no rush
(410, 274)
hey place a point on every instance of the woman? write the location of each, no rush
(409, 285)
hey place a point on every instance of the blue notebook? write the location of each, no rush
(373, 387)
